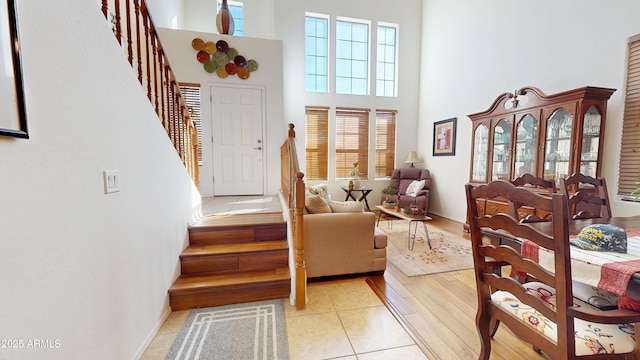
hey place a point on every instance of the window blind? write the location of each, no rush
(385, 142)
(629, 170)
(352, 141)
(191, 95)
(316, 142)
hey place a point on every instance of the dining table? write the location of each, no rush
(618, 273)
(615, 273)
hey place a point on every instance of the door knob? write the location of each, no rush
(258, 148)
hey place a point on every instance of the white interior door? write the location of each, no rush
(237, 121)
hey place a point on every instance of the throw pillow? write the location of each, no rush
(414, 187)
(345, 206)
(602, 237)
(320, 190)
(316, 205)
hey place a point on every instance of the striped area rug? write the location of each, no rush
(255, 330)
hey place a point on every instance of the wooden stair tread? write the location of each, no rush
(195, 283)
(226, 249)
(244, 220)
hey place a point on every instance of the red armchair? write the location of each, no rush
(401, 178)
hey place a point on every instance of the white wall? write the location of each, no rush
(88, 269)
(472, 51)
(200, 15)
(289, 27)
(167, 13)
(268, 54)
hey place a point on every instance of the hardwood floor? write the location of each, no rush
(438, 310)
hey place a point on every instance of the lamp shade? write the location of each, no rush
(413, 158)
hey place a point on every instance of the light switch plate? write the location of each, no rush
(111, 181)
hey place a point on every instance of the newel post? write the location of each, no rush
(301, 270)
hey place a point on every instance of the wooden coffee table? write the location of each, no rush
(399, 214)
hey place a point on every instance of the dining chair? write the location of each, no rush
(588, 196)
(535, 184)
(542, 313)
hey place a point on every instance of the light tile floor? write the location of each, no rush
(346, 320)
(343, 319)
(240, 204)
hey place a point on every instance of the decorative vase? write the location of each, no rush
(350, 184)
(224, 20)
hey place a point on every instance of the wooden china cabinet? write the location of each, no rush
(548, 136)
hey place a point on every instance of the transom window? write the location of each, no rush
(386, 60)
(352, 57)
(316, 53)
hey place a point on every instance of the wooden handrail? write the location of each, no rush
(155, 75)
(292, 185)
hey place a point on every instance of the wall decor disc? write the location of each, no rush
(203, 56)
(221, 59)
(210, 66)
(231, 68)
(252, 65)
(222, 72)
(222, 45)
(244, 73)
(232, 53)
(210, 47)
(197, 44)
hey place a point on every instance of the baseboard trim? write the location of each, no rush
(154, 331)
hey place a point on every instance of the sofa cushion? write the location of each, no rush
(414, 187)
(316, 205)
(320, 190)
(345, 206)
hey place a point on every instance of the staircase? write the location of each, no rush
(233, 259)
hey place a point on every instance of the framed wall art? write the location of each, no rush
(13, 120)
(444, 137)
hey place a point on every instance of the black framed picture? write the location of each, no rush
(444, 137)
(13, 118)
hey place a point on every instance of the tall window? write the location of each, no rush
(316, 142)
(191, 95)
(629, 156)
(352, 57)
(352, 141)
(385, 142)
(235, 7)
(316, 53)
(386, 60)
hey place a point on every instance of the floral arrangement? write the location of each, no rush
(355, 172)
(636, 192)
(389, 190)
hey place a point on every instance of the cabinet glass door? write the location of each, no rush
(526, 135)
(480, 151)
(590, 141)
(557, 148)
(501, 150)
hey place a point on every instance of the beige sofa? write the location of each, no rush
(340, 243)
